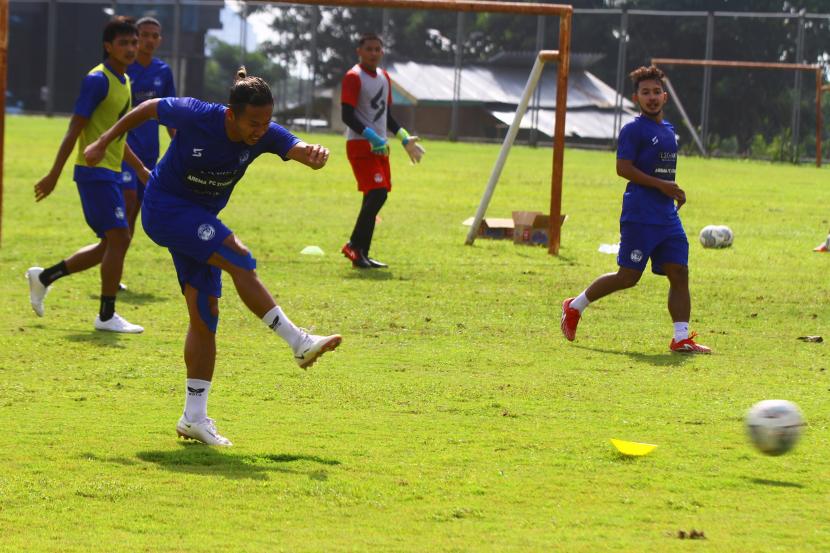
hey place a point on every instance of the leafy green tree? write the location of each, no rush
(224, 60)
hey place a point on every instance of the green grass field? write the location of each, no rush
(454, 417)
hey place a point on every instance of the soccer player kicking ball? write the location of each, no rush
(149, 78)
(105, 96)
(212, 149)
(649, 224)
(365, 101)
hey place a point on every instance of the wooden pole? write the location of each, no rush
(4, 50)
(565, 13)
(763, 65)
(819, 83)
(729, 63)
(521, 8)
(563, 67)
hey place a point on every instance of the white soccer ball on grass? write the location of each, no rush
(774, 425)
(716, 236)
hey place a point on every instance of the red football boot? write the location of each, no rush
(689, 345)
(570, 318)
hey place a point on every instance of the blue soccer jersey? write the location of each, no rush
(153, 81)
(202, 165)
(652, 147)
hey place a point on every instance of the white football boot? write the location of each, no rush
(310, 347)
(204, 431)
(117, 324)
(37, 291)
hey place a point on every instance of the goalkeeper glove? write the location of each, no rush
(379, 146)
(410, 144)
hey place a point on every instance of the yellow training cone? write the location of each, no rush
(635, 449)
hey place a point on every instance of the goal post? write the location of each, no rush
(731, 64)
(565, 14)
(532, 82)
(563, 11)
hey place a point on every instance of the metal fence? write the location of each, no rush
(52, 43)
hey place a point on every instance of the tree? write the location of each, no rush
(224, 60)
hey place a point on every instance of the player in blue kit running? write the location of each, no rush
(212, 149)
(149, 78)
(104, 97)
(650, 227)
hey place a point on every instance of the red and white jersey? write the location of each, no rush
(371, 96)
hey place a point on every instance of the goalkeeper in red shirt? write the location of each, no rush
(365, 100)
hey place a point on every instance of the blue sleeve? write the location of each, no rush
(279, 141)
(177, 112)
(627, 144)
(170, 88)
(94, 89)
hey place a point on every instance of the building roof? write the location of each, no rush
(592, 124)
(431, 84)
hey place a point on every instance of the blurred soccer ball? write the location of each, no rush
(716, 236)
(774, 426)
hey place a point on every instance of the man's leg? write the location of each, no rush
(112, 265)
(236, 260)
(200, 359)
(680, 309)
(132, 206)
(680, 301)
(609, 283)
(361, 233)
(41, 279)
(375, 199)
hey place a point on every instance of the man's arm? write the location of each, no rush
(311, 155)
(627, 170)
(45, 185)
(132, 160)
(145, 111)
(391, 124)
(350, 118)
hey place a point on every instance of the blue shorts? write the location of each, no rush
(661, 243)
(101, 199)
(129, 180)
(192, 234)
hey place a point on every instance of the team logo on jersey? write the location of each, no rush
(126, 176)
(244, 156)
(378, 103)
(378, 178)
(206, 232)
(157, 82)
(197, 152)
(654, 140)
(636, 256)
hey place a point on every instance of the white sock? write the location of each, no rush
(282, 325)
(681, 331)
(195, 399)
(580, 302)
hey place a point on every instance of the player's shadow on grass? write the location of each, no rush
(370, 274)
(135, 298)
(197, 458)
(658, 359)
(775, 483)
(98, 338)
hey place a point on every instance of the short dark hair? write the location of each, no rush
(248, 91)
(147, 20)
(118, 26)
(366, 37)
(650, 73)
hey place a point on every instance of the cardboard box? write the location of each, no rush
(531, 228)
(494, 228)
(526, 227)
